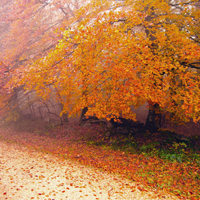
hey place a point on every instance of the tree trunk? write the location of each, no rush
(154, 118)
(84, 110)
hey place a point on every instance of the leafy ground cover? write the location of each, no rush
(161, 161)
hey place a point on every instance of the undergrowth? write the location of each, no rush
(164, 144)
(162, 151)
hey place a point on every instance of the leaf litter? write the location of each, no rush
(48, 167)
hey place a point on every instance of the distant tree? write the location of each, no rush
(29, 29)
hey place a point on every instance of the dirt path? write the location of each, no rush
(28, 174)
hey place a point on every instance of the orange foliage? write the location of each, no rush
(114, 55)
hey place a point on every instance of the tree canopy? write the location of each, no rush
(109, 56)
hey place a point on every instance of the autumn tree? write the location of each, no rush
(118, 54)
